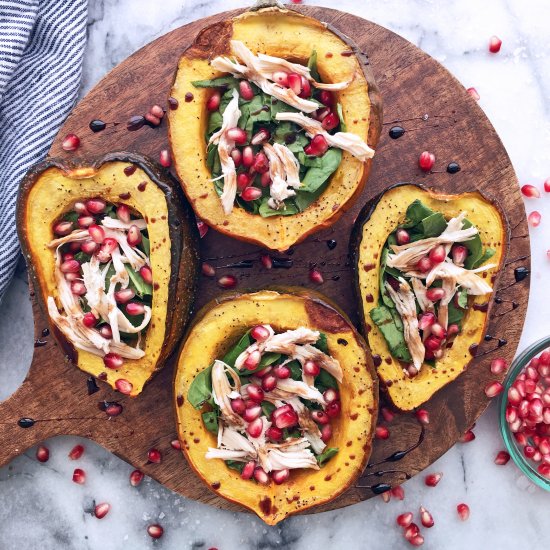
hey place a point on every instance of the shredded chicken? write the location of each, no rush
(278, 189)
(113, 223)
(406, 307)
(225, 145)
(75, 236)
(466, 278)
(290, 163)
(288, 388)
(420, 293)
(221, 390)
(308, 425)
(449, 286)
(291, 454)
(232, 446)
(342, 140)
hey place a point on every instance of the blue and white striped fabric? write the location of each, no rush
(41, 48)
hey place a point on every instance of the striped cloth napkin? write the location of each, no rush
(41, 48)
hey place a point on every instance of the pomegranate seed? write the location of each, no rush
(326, 433)
(388, 414)
(261, 476)
(284, 417)
(426, 518)
(281, 78)
(424, 265)
(534, 219)
(213, 102)
(113, 361)
(97, 233)
(331, 121)
(326, 98)
(124, 386)
(76, 452)
(423, 416)
(544, 470)
(432, 343)
(546, 415)
(255, 392)
(42, 454)
(398, 492)
(71, 142)
(530, 191)
(248, 156)
(459, 253)
(452, 330)
(255, 428)
(331, 395)
(245, 90)
(435, 294)
(426, 320)
(63, 228)
(251, 413)
(155, 531)
(431, 480)
(281, 371)
(261, 164)
(243, 181)
(252, 361)
(315, 276)
(258, 138)
(386, 496)
(306, 88)
(473, 92)
(404, 520)
(411, 531)
(78, 288)
(101, 510)
(80, 208)
(417, 540)
(493, 389)
(295, 83)
(320, 114)
(164, 158)
(317, 147)
(238, 135)
(426, 161)
(134, 236)
(238, 405)
(260, 333)
(248, 470)
(381, 432)
(85, 221)
(511, 414)
(123, 213)
(251, 194)
(514, 395)
(333, 409)
(135, 308)
(273, 433)
(79, 476)
(136, 477)
(320, 417)
(269, 382)
(152, 119)
(437, 254)
(106, 331)
(96, 206)
(154, 456)
(208, 270)
(494, 44)
(438, 331)
(311, 368)
(70, 266)
(89, 320)
(280, 476)
(89, 247)
(146, 274)
(498, 365)
(521, 438)
(502, 458)
(227, 281)
(402, 236)
(237, 157)
(265, 180)
(463, 511)
(468, 436)
(202, 227)
(124, 295)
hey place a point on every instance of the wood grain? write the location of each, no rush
(438, 115)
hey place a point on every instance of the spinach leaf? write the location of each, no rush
(266, 211)
(222, 82)
(312, 66)
(138, 285)
(214, 124)
(387, 301)
(267, 359)
(325, 380)
(71, 216)
(391, 327)
(277, 106)
(235, 465)
(476, 256)
(304, 199)
(433, 225)
(462, 298)
(340, 111)
(322, 343)
(455, 314)
(294, 433)
(326, 455)
(416, 212)
(489, 253)
(200, 390)
(210, 420)
(268, 408)
(231, 356)
(316, 176)
(146, 245)
(82, 257)
(295, 370)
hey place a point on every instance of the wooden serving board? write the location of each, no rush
(437, 114)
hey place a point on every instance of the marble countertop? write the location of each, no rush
(40, 507)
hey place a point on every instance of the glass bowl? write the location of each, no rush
(524, 464)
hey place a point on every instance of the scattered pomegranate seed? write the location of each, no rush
(136, 477)
(227, 281)
(213, 102)
(106, 331)
(387, 413)
(402, 236)
(42, 453)
(243, 181)
(326, 98)
(97, 233)
(157, 110)
(424, 265)
(248, 470)
(281, 371)
(70, 266)
(124, 386)
(452, 330)
(423, 416)
(331, 395)
(252, 413)
(248, 156)
(134, 236)
(437, 254)
(426, 320)
(381, 432)
(261, 476)
(333, 409)
(405, 519)
(463, 511)
(284, 417)
(238, 405)
(281, 78)
(251, 194)
(331, 121)
(386, 496)
(280, 476)
(426, 518)
(494, 44)
(530, 191)
(175, 444)
(76, 452)
(473, 92)
(398, 492)
(254, 391)
(237, 157)
(311, 368)
(202, 227)
(435, 294)
(125, 295)
(164, 158)
(79, 476)
(252, 361)
(261, 136)
(317, 147)
(320, 417)
(467, 436)
(238, 135)
(265, 180)
(493, 389)
(306, 88)
(431, 480)
(502, 458)
(315, 276)
(326, 433)
(89, 320)
(417, 540)
(152, 119)
(411, 531)
(534, 218)
(78, 288)
(426, 161)
(269, 382)
(112, 408)
(274, 434)
(295, 83)
(245, 90)
(154, 456)
(155, 531)
(80, 208)
(547, 185)
(71, 142)
(89, 247)
(101, 510)
(498, 365)
(260, 333)
(63, 228)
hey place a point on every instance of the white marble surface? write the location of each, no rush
(40, 507)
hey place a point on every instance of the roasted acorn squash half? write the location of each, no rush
(214, 332)
(291, 36)
(468, 313)
(48, 196)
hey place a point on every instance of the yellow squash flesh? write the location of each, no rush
(289, 35)
(217, 328)
(46, 196)
(372, 230)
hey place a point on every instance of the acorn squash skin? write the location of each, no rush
(375, 222)
(284, 33)
(52, 186)
(215, 329)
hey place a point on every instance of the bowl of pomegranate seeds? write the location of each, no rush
(525, 412)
